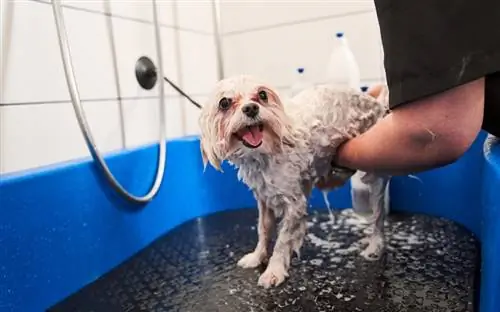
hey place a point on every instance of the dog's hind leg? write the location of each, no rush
(360, 195)
(374, 193)
(290, 239)
(264, 230)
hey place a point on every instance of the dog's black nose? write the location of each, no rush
(250, 109)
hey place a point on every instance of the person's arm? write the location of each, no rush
(418, 136)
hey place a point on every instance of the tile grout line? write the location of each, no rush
(112, 44)
(138, 20)
(131, 98)
(297, 22)
(217, 30)
(6, 14)
(179, 69)
(152, 97)
(207, 33)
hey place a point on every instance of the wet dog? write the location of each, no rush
(282, 149)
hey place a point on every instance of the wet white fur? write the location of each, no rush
(371, 200)
(300, 137)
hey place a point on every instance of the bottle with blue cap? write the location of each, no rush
(300, 83)
(342, 68)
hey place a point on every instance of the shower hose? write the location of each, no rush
(82, 120)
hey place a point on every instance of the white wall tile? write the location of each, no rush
(192, 115)
(42, 72)
(274, 54)
(143, 10)
(300, 35)
(134, 40)
(31, 76)
(47, 133)
(192, 14)
(195, 15)
(142, 120)
(91, 52)
(140, 10)
(94, 5)
(90, 5)
(173, 111)
(244, 15)
(198, 62)
(39, 135)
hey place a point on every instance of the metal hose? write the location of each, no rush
(82, 120)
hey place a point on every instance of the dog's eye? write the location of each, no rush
(225, 103)
(263, 95)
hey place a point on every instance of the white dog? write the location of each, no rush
(282, 150)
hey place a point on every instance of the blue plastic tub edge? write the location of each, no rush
(490, 279)
(62, 227)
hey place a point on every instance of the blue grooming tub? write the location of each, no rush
(62, 227)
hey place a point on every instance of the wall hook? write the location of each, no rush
(145, 73)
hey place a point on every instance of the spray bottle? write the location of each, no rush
(342, 67)
(300, 84)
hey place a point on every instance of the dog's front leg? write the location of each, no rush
(264, 230)
(290, 238)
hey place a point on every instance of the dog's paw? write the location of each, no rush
(274, 275)
(374, 247)
(251, 260)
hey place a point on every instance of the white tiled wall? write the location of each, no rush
(271, 39)
(37, 123)
(267, 38)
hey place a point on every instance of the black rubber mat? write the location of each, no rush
(430, 265)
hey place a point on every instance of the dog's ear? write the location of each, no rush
(203, 156)
(209, 155)
(286, 135)
(207, 144)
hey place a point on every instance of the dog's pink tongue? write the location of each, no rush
(253, 136)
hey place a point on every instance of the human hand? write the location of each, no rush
(337, 177)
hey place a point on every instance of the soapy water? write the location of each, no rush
(327, 202)
(406, 240)
(427, 257)
(361, 218)
(316, 262)
(411, 176)
(319, 242)
(402, 237)
(354, 222)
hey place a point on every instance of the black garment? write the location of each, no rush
(434, 45)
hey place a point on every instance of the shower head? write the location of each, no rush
(145, 73)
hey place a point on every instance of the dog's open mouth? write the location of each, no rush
(251, 136)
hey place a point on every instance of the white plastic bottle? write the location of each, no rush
(300, 83)
(342, 67)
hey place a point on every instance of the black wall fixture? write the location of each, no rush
(145, 72)
(147, 75)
